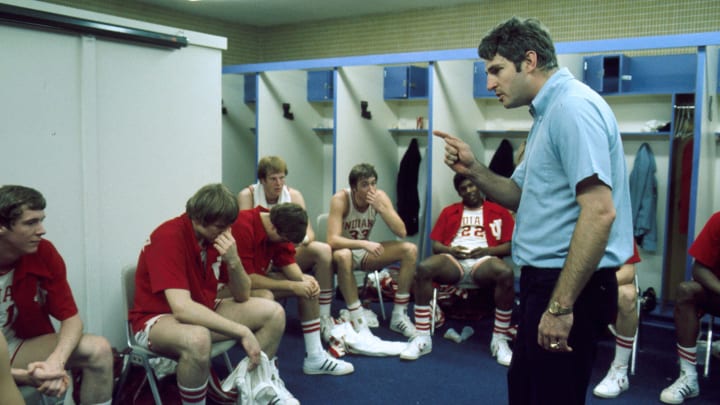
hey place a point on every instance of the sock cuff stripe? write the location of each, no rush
(690, 358)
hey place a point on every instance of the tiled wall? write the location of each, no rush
(441, 28)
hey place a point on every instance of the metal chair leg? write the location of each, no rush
(379, 293)
(633, 356)
(708, 348)
(432, 311)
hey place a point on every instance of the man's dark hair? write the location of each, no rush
(459, 178)
(361, 171)
(512, 39)
(213, 204)
(15, 199)
(290, 220)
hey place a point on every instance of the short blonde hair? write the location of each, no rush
(269, 165)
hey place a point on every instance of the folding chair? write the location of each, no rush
(434, 303)
(141, 356)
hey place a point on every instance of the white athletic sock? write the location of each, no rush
(688, 359)
(623, 350)
(311, 333)
(355, 310)
(325, 300)
(401, 303)
(422, 318)
(502, 321)
(193, 396)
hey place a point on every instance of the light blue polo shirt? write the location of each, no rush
(574, 136)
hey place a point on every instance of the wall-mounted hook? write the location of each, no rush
(364, 110)
(286, 112)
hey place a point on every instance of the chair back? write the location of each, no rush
(127, 282)
(321, 231)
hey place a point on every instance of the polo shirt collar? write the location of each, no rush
(548, 91)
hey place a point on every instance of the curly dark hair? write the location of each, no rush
(512, 39)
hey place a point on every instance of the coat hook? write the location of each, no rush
(364, 110)
(286, 111)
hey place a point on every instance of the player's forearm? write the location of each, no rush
(500, 189)
(341, 242)
(438, 248)
(706, 278)
(197, 314)
(260, 282)
(500, 250)
(396, 225)
(239, 282)
(71, 330)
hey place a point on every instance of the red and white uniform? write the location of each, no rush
(33, 292)
(494, 225)
(173, 258)
(255, 249)
(706, 248)
(356, 224)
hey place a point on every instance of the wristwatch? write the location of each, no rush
(556, 309)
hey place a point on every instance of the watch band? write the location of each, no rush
(556, 309)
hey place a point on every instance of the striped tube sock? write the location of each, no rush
(325, 300)
(502, 321)
(311, 333)
(688, 359)
(401, 302)
(422, 318)
(193, 396)
(623, 349)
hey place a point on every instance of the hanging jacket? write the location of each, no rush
(408, 200)
(643, 198)
(502, 162)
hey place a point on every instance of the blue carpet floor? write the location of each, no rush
(465, 373)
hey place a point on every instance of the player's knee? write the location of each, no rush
(98, 352)
(409, 251)
(687, 290)
(627, 298)
(502, 272)
(343, 259)
(423, 272)
(196, 343)
(277, 317)
(322, 250)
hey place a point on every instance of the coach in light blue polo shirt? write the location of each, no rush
(573, 226)
(558, 155)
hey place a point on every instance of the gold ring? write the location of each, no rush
(555, 345)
